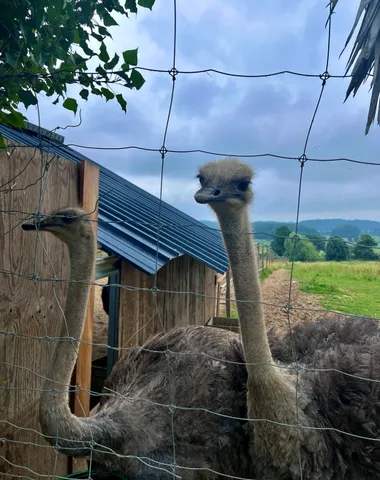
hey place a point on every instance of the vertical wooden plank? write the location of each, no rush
(210, 293)
(128, 313)
(228, 293)
(30, 309)
(186, 274)
(217, 300)
(88, 199)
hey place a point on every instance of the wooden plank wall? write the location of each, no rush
(141, 316)
(29, 308)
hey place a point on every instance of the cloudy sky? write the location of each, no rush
(238, 116)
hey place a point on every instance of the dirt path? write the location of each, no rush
(275, 292)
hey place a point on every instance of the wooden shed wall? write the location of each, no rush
(141, 315)
(29, 309)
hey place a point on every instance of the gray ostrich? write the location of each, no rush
(323, 420)
(173, 407)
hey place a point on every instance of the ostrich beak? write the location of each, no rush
(209, 194)
(40, 226)
(28, 226)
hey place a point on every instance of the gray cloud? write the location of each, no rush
(234, 115)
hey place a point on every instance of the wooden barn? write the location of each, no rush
(181, 258)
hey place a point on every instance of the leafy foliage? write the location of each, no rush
(278, 243)
(363, 250)
(336, 250)
(301, 251)
(318, 241)
(45, 45)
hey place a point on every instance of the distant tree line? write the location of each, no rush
(313, 246)
(349, 229)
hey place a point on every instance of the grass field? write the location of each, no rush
(349, 287)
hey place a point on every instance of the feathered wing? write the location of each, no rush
(365, 54)
(342, 370)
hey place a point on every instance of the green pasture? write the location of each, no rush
(350, 287)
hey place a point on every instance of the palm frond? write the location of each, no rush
(365, 54)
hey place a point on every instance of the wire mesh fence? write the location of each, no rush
(34, 288)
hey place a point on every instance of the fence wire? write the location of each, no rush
(48, 341)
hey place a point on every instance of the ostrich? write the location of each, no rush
(322, 403)
(156, 412)
(106, 297)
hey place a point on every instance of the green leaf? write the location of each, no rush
(70, 104)
(124, 76)
(98, 37)
(101, 71)
(137, 79)
(84, 93)
(112, 64)
(108, 20)
(96, 91)
(103, 54)
(11, 58)
(56, 101)
(130, 57)
(121, 101)
(146, 3)
(131, 6)
(27, 98)
(103, 31)
(107, 94)
(86, 49)
(16, 119)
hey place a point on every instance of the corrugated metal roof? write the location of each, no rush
(128, 217)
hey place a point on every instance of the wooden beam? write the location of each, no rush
(228, 294)
(220, 277)
(88, 200)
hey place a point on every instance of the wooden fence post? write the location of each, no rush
(88, 198)
(217, 299)
(258, 255)
(228, 294)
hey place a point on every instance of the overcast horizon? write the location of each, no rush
(234, 115)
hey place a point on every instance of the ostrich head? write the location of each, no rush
(69, 225)
(225, 185)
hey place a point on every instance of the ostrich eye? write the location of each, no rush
(67, 220)
(243, 186)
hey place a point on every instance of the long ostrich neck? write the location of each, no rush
(269, 393)
(55, 415)
(238, 238)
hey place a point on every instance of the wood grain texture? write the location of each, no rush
(142, 314)
(89, 193)
(30, 308)
(88, 199)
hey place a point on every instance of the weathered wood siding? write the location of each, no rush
(29, 310)
(142, 313)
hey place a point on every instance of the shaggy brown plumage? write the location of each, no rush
(308, 414)
(167, 409)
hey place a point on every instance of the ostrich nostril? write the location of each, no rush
(216, 193)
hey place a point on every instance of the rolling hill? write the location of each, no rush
(264, 230)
